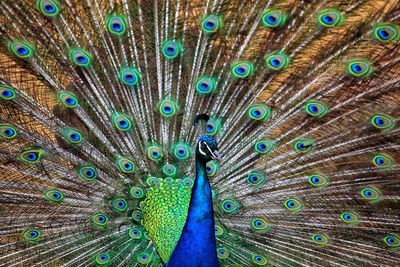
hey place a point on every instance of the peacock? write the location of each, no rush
(199, 133)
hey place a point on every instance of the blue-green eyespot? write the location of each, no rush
(49, 8)
(392, 240)
(130, 76)
(259, 225)
(273, 18)
(205, 85)
(330, 17)
(155, 153)
(256, 178)
(383, 161)
(181, 151)
(303, 145)
(21, 49)
(100, 219)
(119, 204)
(277, 60)
(264, 146)
(222, 253)
(7, 92)
(7, 131)
(116, 25)
(137, 215)
(318, 180)
(259, 260)
(320, 239)
(349, 217)
(212, 168)
(31, 155)
(382, 122)
(143, 258)
(72, 135)
(102, 259)
(171, 49)
(125, 165)
(169, 170)
(316, 108)
(137, 192)
(385, 32)
(259, 112)
(293, 205)
(242, 69)
(121, 121)
(220, 231)
(87, 172)
(135, 233)
(230, 206)
(372, 194)
(68, 99)
(80, 57)
(31, 235)
(359, 68)
(54, 195)
(210, 24)
(168, 108)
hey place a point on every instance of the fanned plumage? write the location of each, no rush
(98, 145)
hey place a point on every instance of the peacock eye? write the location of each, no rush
(21, 49)
(385, 32)
(329, 17)
(359, 68)
(137, 215)
(242, 70)
(273, 18)
(137, 192)
(154, 153)
(181, 151)
(121, 121)
(222, 253)
(72, 136)
(168, 108)
(293, 205)
(205, 85)
(31, 235)
(171, 49)
(80, 57)
(316, 108)
(210, 24)
(54, 195)
(87, 172)
(383, 161)
(277, 60)
(382, 122)
(135, 233)
(49, 8)
(188, 182)
(256, 178)
(68, 99)
(259, 260)
(220, 231)
(320, 239)
(130, 76)
(125, 165)
(7, 93)
(211, 168)
(102, 259)
(264, 146)
(7, 131)
(303, 145)
(116, 25)
(31, 155)
(119, 204)
(373, 195)
(259, 225)
(100, 219)
(213, 126)
(393, 241)
(169, 170)
(143, 258)
(230, 206)
(318, 180)
(350, 217)
(259, 112)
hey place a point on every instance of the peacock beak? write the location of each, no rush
(216, 155)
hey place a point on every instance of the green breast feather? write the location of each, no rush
(165, 209)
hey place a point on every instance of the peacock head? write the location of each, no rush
(207, 148)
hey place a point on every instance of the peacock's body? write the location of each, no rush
(101, 164)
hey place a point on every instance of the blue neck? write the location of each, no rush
(197, 246)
